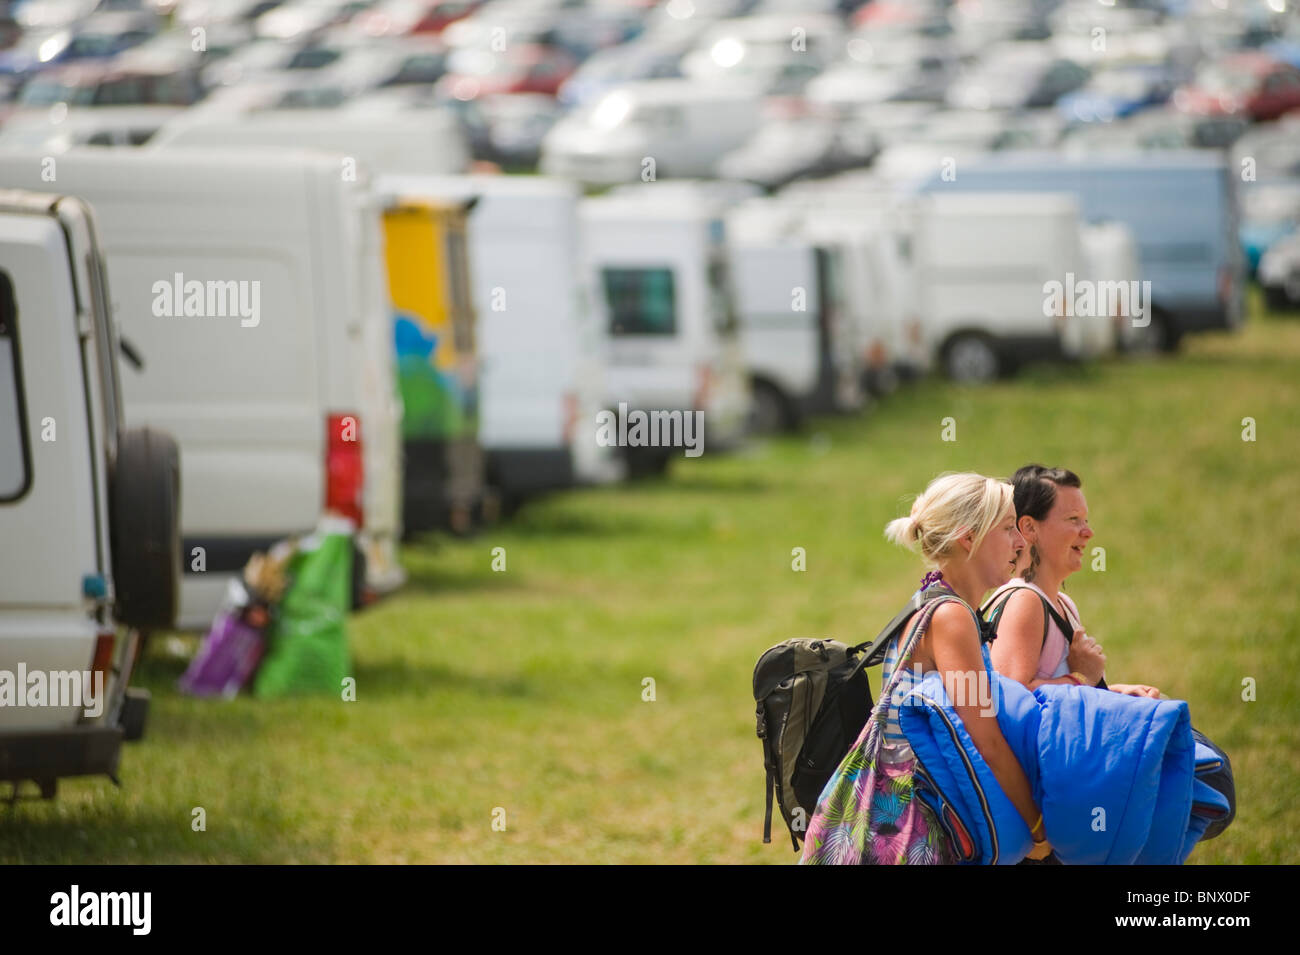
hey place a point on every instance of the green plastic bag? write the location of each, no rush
(308, 638)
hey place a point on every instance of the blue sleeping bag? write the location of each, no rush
(1114, 775)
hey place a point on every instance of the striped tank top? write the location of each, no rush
(907, 681)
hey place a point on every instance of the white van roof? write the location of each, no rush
(424, 141)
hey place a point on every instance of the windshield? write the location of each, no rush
(48, 92)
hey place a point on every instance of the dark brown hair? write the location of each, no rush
(1035, 493)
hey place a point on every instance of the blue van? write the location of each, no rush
(1180, 205)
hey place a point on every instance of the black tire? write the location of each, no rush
(972, 357)
(1277, 299)
(771, 410)
(145, 529)
(1159, 335)
(648, 462)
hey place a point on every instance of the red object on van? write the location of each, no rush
(344, 467)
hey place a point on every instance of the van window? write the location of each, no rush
(641, 301)
(14, 464)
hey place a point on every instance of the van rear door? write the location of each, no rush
(48, 505)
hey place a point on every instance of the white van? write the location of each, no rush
(422, 142)
(801, 349)
(252, 287)
(1112, 255)
(657, 271)
(683, 126)
(874, 227)
(88, 508)
(984, 264)
(541, 372)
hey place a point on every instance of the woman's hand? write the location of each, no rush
(1085, 656)
(1136, 689)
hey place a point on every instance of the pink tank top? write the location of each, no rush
(1052, 662)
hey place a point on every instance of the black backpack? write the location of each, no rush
(813, 699)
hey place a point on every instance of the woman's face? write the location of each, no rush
(1063, 535)
(999, 551)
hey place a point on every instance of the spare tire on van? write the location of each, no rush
(144, 504)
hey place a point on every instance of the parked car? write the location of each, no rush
(789, 147)
(95, 503)
(251, 284)
(405, 17)
(1016, 76)
(1117, 93)
(1252, 84)
(520, 68)
(646, 58)
(1279, 273)
(761, 51)
(99, 104)
(1270, 211)
(684, 127)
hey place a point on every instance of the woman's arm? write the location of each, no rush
(954, 646)
(1016, 651)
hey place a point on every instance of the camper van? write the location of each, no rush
(656, 266)
(251, 286)
(434, 331)
(88, 506)
(801, 351)
(984, 267)
(1180, 206)
(683, 126)
(540, 359)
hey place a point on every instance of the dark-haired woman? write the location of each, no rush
(1032, 644)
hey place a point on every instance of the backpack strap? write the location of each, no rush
(1067, 628)
(994, 614)
(874, 650)
(880, 711)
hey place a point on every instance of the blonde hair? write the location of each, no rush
(950, 507)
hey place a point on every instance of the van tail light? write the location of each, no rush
(103, 660)
(344, 467)
(875, 354)
(1225, 284)
(703, 386)
(569, 413)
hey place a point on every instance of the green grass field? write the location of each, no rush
(523, 689)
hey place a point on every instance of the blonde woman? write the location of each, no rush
(964, 525)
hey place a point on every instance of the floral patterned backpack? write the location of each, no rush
(867, 815)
